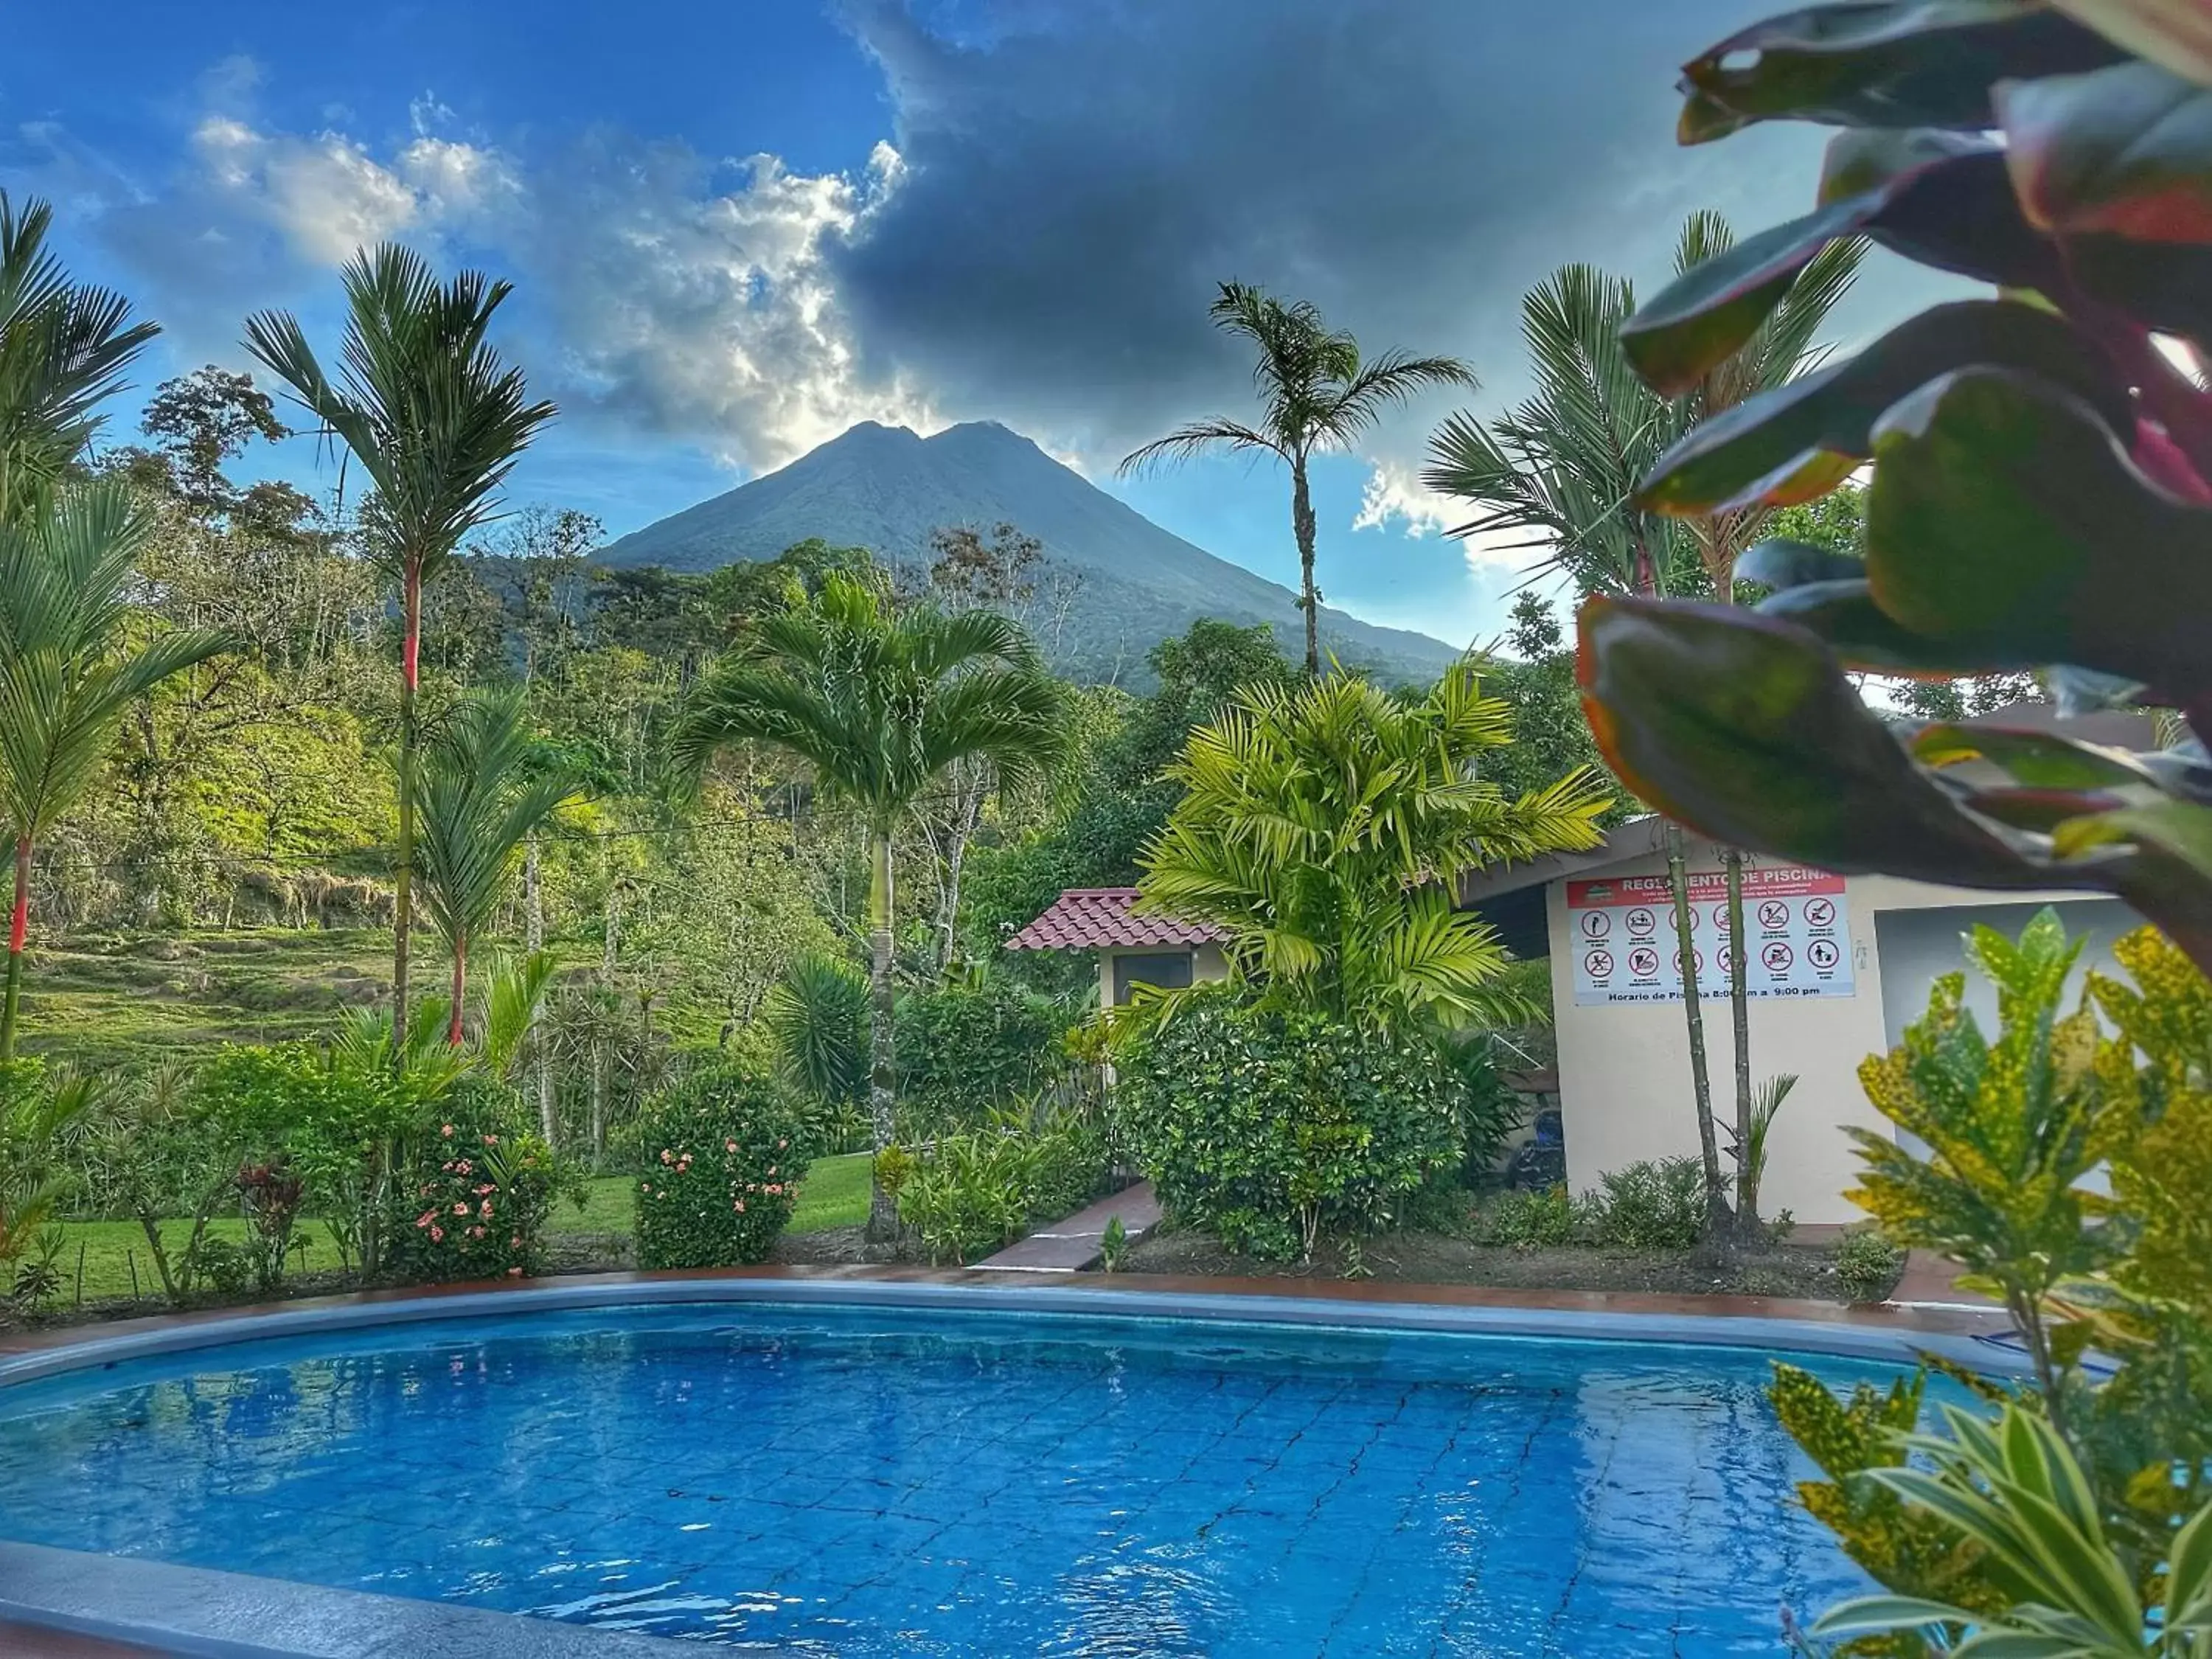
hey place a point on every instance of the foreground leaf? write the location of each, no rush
(1844, 615)
(1934, 198)
(2126, 150)
(1727, 461)
(2005, 518)
(2175, 32)
(1746, 729)
(1911, 62)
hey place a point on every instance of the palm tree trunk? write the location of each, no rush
(1747, 1180)
(460, 989)
(1701, 1087)
(534, 939)
(19, 921)
(1301, 526)
(403, 909)
(883, 1214)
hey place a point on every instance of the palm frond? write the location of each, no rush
(1188, 442)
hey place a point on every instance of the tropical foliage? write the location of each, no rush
(1324, 827)
(2036, 496)
(880, 704)
(723, 1154)
(1316, 393)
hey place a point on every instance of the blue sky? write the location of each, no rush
(736, 229)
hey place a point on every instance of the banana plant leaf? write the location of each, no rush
(1737, 458)
(2125, 150)
(1916, 63)
(2005, 519)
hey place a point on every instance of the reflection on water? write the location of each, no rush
(867, 1484)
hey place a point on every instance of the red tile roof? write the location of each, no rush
(1091, 918)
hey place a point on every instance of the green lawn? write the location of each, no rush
(836, 1195)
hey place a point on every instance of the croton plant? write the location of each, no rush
(2037, 460)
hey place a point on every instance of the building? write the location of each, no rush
(1133, 950)
(1841, 965)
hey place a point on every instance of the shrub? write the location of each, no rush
(1492, 1111)
(1270, 1127)
(974, 1193)
(1539, 1220)
(725, 1153)
(1868, 1266)
(1651, 1207)
(478, 1189)
(966, 1050)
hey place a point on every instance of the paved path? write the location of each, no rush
(1070, 1246)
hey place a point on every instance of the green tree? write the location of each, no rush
(1324, 827)
(68, 670)
(437, 419)
(1564, 466)
(484, 794)
(63, 351)
(879, 703)
(1316, 394)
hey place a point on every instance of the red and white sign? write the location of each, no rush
(1796, 928)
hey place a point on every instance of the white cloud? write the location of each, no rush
(688, 297)
(326, 194)
(1395, 495)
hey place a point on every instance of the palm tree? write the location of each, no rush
(880, 704)
(482, 799)
(1316, 394)
(1564, 466)
(62, 349)
(66, 672)
(437, 419)
(1324, 827)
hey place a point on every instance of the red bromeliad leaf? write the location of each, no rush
(1760, 450)
(2125, 150)
(2005, 518)
(1909, 63)
(2163, 463)
(2177, 33)
(1746, 729)
(2164, 286)
(1934, 198)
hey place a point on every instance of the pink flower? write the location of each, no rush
(781, 1144)
(491, 1140)
(424, 1219)
(476, 1232)
(516, 1244)
(729, 1145)
(771, 1169)
(447, 1130)
(484, 1210)
(460, 1209)
(437, 1234)
(777, 1189)
(447, 1166)
(741, 1206)
(464, 1168)
(645, 1186)
(514, 1272)
(667, 1156)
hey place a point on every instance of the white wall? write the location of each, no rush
(1625, 1091)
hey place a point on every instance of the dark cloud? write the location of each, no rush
(1079, 176)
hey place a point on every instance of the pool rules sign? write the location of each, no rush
(1796, 930)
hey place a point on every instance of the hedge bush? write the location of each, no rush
(1271, 1129)
(966, 1050)
(724, 1151)
(1651, 1207)
(478, 1189)
(974, 1193)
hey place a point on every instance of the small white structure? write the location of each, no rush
(1133, 950)
(1838, 967)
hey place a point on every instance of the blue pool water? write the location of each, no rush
(870, 1483)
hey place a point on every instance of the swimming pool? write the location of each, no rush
(868, 1481)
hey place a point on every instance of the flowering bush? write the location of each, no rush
(724, 1152)
(477, 1194)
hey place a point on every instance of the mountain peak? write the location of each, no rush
(885, 488)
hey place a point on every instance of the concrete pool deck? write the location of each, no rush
(85, 1606)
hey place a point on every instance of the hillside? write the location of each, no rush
(885, 488)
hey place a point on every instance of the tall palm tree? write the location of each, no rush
(1316, 394)
(62, 349)
(1324, 827)
(1564, 465)
(67, 672)
(482, 797)
(437, 419)
(879, 703)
